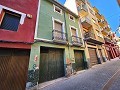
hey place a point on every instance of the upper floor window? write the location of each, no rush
(74, 31)
(58, 26)
(58, 30)
(9, 20)
(71, 18)
(57, 9)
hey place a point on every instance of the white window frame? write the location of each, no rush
(75, 29)
(23, 15)
(58, 8)
(77, 34)
(71, 19)
(63, 25)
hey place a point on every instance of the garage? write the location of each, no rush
(79, 58)
(93, 56)
(51, 64)
(13, 68)
(101, 56)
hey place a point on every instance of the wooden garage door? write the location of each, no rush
(13, 69)
(93, 56)
(78, 60)
(101, 56)
(51, 64)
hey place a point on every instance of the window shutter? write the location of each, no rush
(58, 26)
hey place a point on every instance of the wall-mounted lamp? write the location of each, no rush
(29, 16)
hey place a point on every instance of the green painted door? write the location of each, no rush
(51, 64)
(79, 65)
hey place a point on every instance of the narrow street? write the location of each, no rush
(99, 77)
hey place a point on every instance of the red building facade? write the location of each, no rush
(17, 29)
(112, 48)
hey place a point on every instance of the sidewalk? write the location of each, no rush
(97, 75)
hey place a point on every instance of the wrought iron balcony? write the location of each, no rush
(76, 41)
(101, 23)
(86, 23)
(59, 36)
(107, 40)
(90, 37)
(82, 8)
(80, 1)
(98, 15)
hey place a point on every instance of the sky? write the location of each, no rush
(110, 9)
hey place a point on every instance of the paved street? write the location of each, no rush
(97, 78)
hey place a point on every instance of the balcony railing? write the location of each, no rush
(58, 35)
(82, 7)
(90, 35)
(107, 39)
(101, 39)
(76, 41)
(86, 23)
(80, 1)
(85, 19)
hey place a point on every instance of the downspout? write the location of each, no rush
(67, 39)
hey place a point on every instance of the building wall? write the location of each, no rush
(25, 32)
(43, 38)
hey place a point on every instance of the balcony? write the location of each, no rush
(90, 37)
(59, 37)
(107, 28)
(80, 1)
(86, 23)
(105, 32)
(101, 39)
(76, 41)
(95, 9)
(108, 40)
(82, 10)
(98, 15)
(101, 23)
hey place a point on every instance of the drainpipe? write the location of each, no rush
(68, 41)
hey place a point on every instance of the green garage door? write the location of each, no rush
(51, 64)
(79, 65)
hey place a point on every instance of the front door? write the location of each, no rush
(79, 65)
(93, 56)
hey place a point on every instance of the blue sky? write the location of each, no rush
(110, 9)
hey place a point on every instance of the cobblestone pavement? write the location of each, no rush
(92, 79)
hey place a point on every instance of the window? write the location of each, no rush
(57, 9)
(75, 37)
(58, 30)
(58, 26)
(71, 18)
(10, 20)
(73, 32)
(2, 12)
